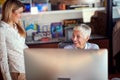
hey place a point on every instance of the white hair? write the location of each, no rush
(85, 29)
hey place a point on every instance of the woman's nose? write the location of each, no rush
(74, 38)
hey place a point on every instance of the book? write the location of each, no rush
(70, 22)
(56, 29)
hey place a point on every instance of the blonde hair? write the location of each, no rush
(85, 29)
(7, 9)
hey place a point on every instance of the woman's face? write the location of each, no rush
(79, 39)
(16, 15)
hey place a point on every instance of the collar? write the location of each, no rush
(86, 46)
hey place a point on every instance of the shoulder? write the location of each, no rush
(92, 46)
(69, 47)
(3, 25)
(1, 28)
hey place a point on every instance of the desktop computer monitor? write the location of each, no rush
(66, 64)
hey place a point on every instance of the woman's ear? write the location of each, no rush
(87, 38)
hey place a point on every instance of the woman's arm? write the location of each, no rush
(4, 57)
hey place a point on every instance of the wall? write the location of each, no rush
(46, 18)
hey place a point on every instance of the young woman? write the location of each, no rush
(12, 41)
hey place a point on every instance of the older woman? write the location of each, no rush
(81, 35)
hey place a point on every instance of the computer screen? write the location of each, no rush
(64, 64)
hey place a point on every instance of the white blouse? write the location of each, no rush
(11, 50)
(87, 46)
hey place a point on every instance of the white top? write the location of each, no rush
(11, 50)
(87, 46)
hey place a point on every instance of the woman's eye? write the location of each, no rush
(78, 36)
